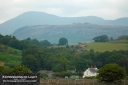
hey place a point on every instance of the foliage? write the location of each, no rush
(16, 69)
(12, 42)
(22, 44)
(4, 69)
(45, 43)
(37, 56)
(20, 69)
(62, 74)
(123, 37)
(34, 58)
(102, 38)
(60, 59)
(63, 41)
(62, 65)
(31, 62)
(111, 72)
(43, 75)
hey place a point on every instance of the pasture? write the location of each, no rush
(10, 59)
(10, 56)
(102, 47)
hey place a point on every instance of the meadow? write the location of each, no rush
(107, 46)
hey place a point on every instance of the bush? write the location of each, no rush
(4, 69)
(111, 72)
(43, 75)
(63, 74)
(20, 69)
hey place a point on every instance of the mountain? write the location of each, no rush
(41, 18)
(77, 32)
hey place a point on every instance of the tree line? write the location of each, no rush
(63, 59)
(102, 38)
(26, 43)
(105, 38)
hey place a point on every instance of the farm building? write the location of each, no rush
(90, 72)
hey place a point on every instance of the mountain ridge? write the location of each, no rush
(40, 18)
(77, 32)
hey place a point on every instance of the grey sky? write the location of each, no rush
(107, 9)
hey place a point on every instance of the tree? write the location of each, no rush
(111, 72)
(102, 38)
(63, 41)
(45, 43)
(62, 65)
(123, 37)
(57, 68)
(31, 62)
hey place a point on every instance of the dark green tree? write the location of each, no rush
(63, 63)
(63, 41)
(111, 72)
(102, 38)
(31, 62)
(57, 68)
(45, 43)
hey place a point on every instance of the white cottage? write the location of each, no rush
(90, 72)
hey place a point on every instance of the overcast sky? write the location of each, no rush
(107, 9)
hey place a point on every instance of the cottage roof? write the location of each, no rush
(93, 70)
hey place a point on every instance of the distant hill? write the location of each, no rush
(77, 32)
(41, 18)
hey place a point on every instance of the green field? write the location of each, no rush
(10, 55)
(10, 59)
(102, 47)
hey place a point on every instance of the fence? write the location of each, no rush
(79, 82)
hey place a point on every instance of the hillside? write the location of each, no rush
(10, 56)
(77, 32)
(41, 18)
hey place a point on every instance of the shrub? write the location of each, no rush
(111, 72)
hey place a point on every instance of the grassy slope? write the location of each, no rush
(10, 55)
(101, 47)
